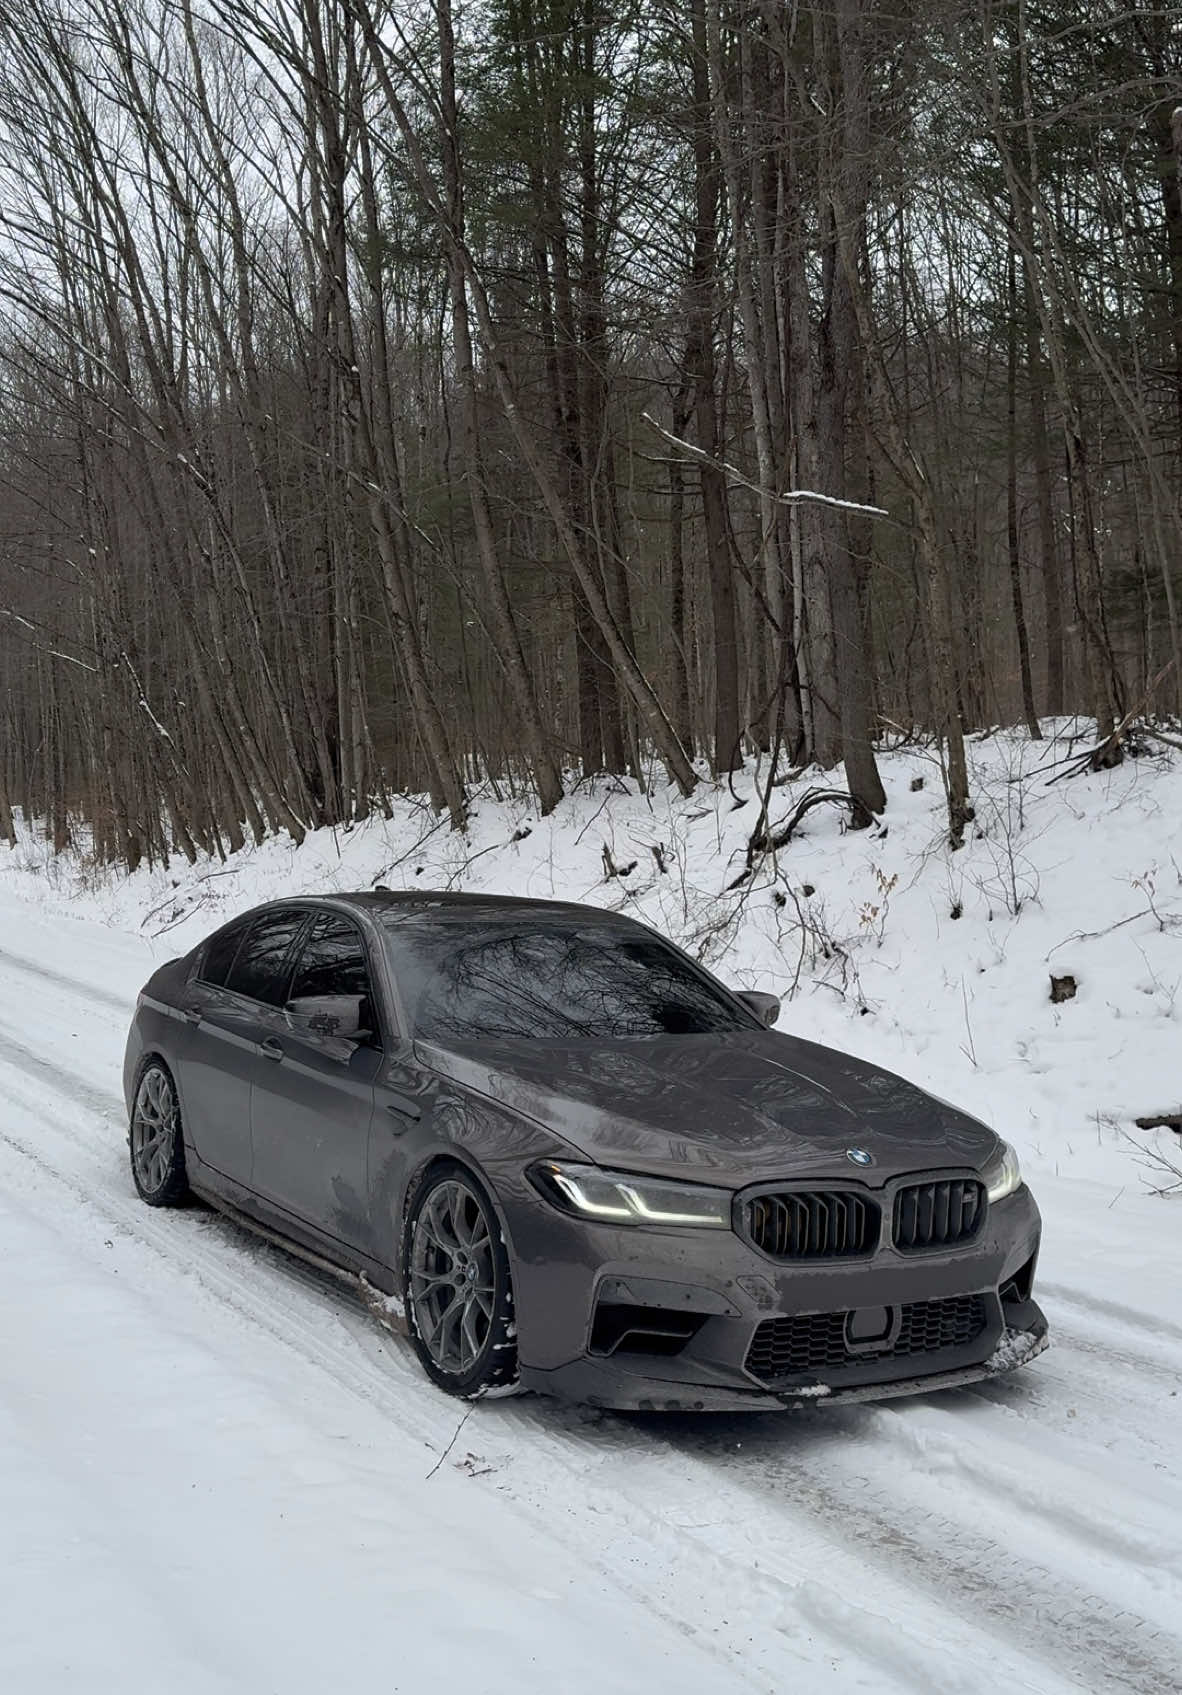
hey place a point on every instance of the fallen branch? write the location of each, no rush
(767, 841)
(1157, 736)
(1094, 935)
(859, 812)
(452, 1443)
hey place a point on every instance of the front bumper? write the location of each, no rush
(597, 1384)
(710, 1292)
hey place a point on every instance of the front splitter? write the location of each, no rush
(620, 1391)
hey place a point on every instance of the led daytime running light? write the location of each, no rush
(618, 1197)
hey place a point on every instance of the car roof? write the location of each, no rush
(394, 904)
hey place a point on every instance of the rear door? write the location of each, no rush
(242, 971)
(313, 1103)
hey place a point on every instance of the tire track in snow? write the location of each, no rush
(1128, 1361)
(61, 980)
(1121, 1317)
(54, 1074)
(1022, 1600)
(1098, 1522)
(1068, 1396)
(1107, 1647)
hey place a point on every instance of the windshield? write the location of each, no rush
(465, 980)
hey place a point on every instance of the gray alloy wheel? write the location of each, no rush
(155, 1139)
(456, 1275)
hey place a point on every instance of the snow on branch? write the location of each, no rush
(53, 652)
(786, 497)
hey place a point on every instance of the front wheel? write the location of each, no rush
(458, 1291)
(155, 1140)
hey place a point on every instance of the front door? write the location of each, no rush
(313, 1099)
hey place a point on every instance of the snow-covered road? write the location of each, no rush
(218, 1474)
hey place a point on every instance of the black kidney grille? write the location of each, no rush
(938, 1215)
(812, 1342)
(813, 1226)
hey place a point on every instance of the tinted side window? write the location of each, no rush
(332, 961)
(219, 955)
(263, 966)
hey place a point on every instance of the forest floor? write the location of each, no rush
(218, 1474)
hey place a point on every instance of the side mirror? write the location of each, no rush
(765, 1007)
(341, 1018)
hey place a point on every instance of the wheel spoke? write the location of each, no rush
(442, 1222)
(428, 1319)
(422, 1229)
(470, 1333)
(464, 1227)
(449, 1327)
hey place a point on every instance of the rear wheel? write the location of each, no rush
(456, 1277)
(155, 1139)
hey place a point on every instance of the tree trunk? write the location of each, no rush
(703, 297)
(1012, 532)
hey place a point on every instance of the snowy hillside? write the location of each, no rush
(219, 1475)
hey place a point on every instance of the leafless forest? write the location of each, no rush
(399, 395)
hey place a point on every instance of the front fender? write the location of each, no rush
(492, 1141)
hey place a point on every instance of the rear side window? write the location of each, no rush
(332, 961)
(262, 968)
(219, 955)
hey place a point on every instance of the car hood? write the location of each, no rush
(730, 1109)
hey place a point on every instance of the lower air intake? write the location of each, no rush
(815, 1342)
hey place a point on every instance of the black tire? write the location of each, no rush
(155, 1139)
(457, 1284)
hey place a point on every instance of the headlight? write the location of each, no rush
(617, 1197)
(1002, 1175)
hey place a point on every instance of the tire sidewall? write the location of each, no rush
(497, 1366)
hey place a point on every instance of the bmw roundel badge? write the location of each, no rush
(859, 1156)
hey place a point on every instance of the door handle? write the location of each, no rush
(403, 1108)
(272, 1047)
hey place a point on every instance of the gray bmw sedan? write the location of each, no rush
(583, 1163)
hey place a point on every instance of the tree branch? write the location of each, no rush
(789, 497)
